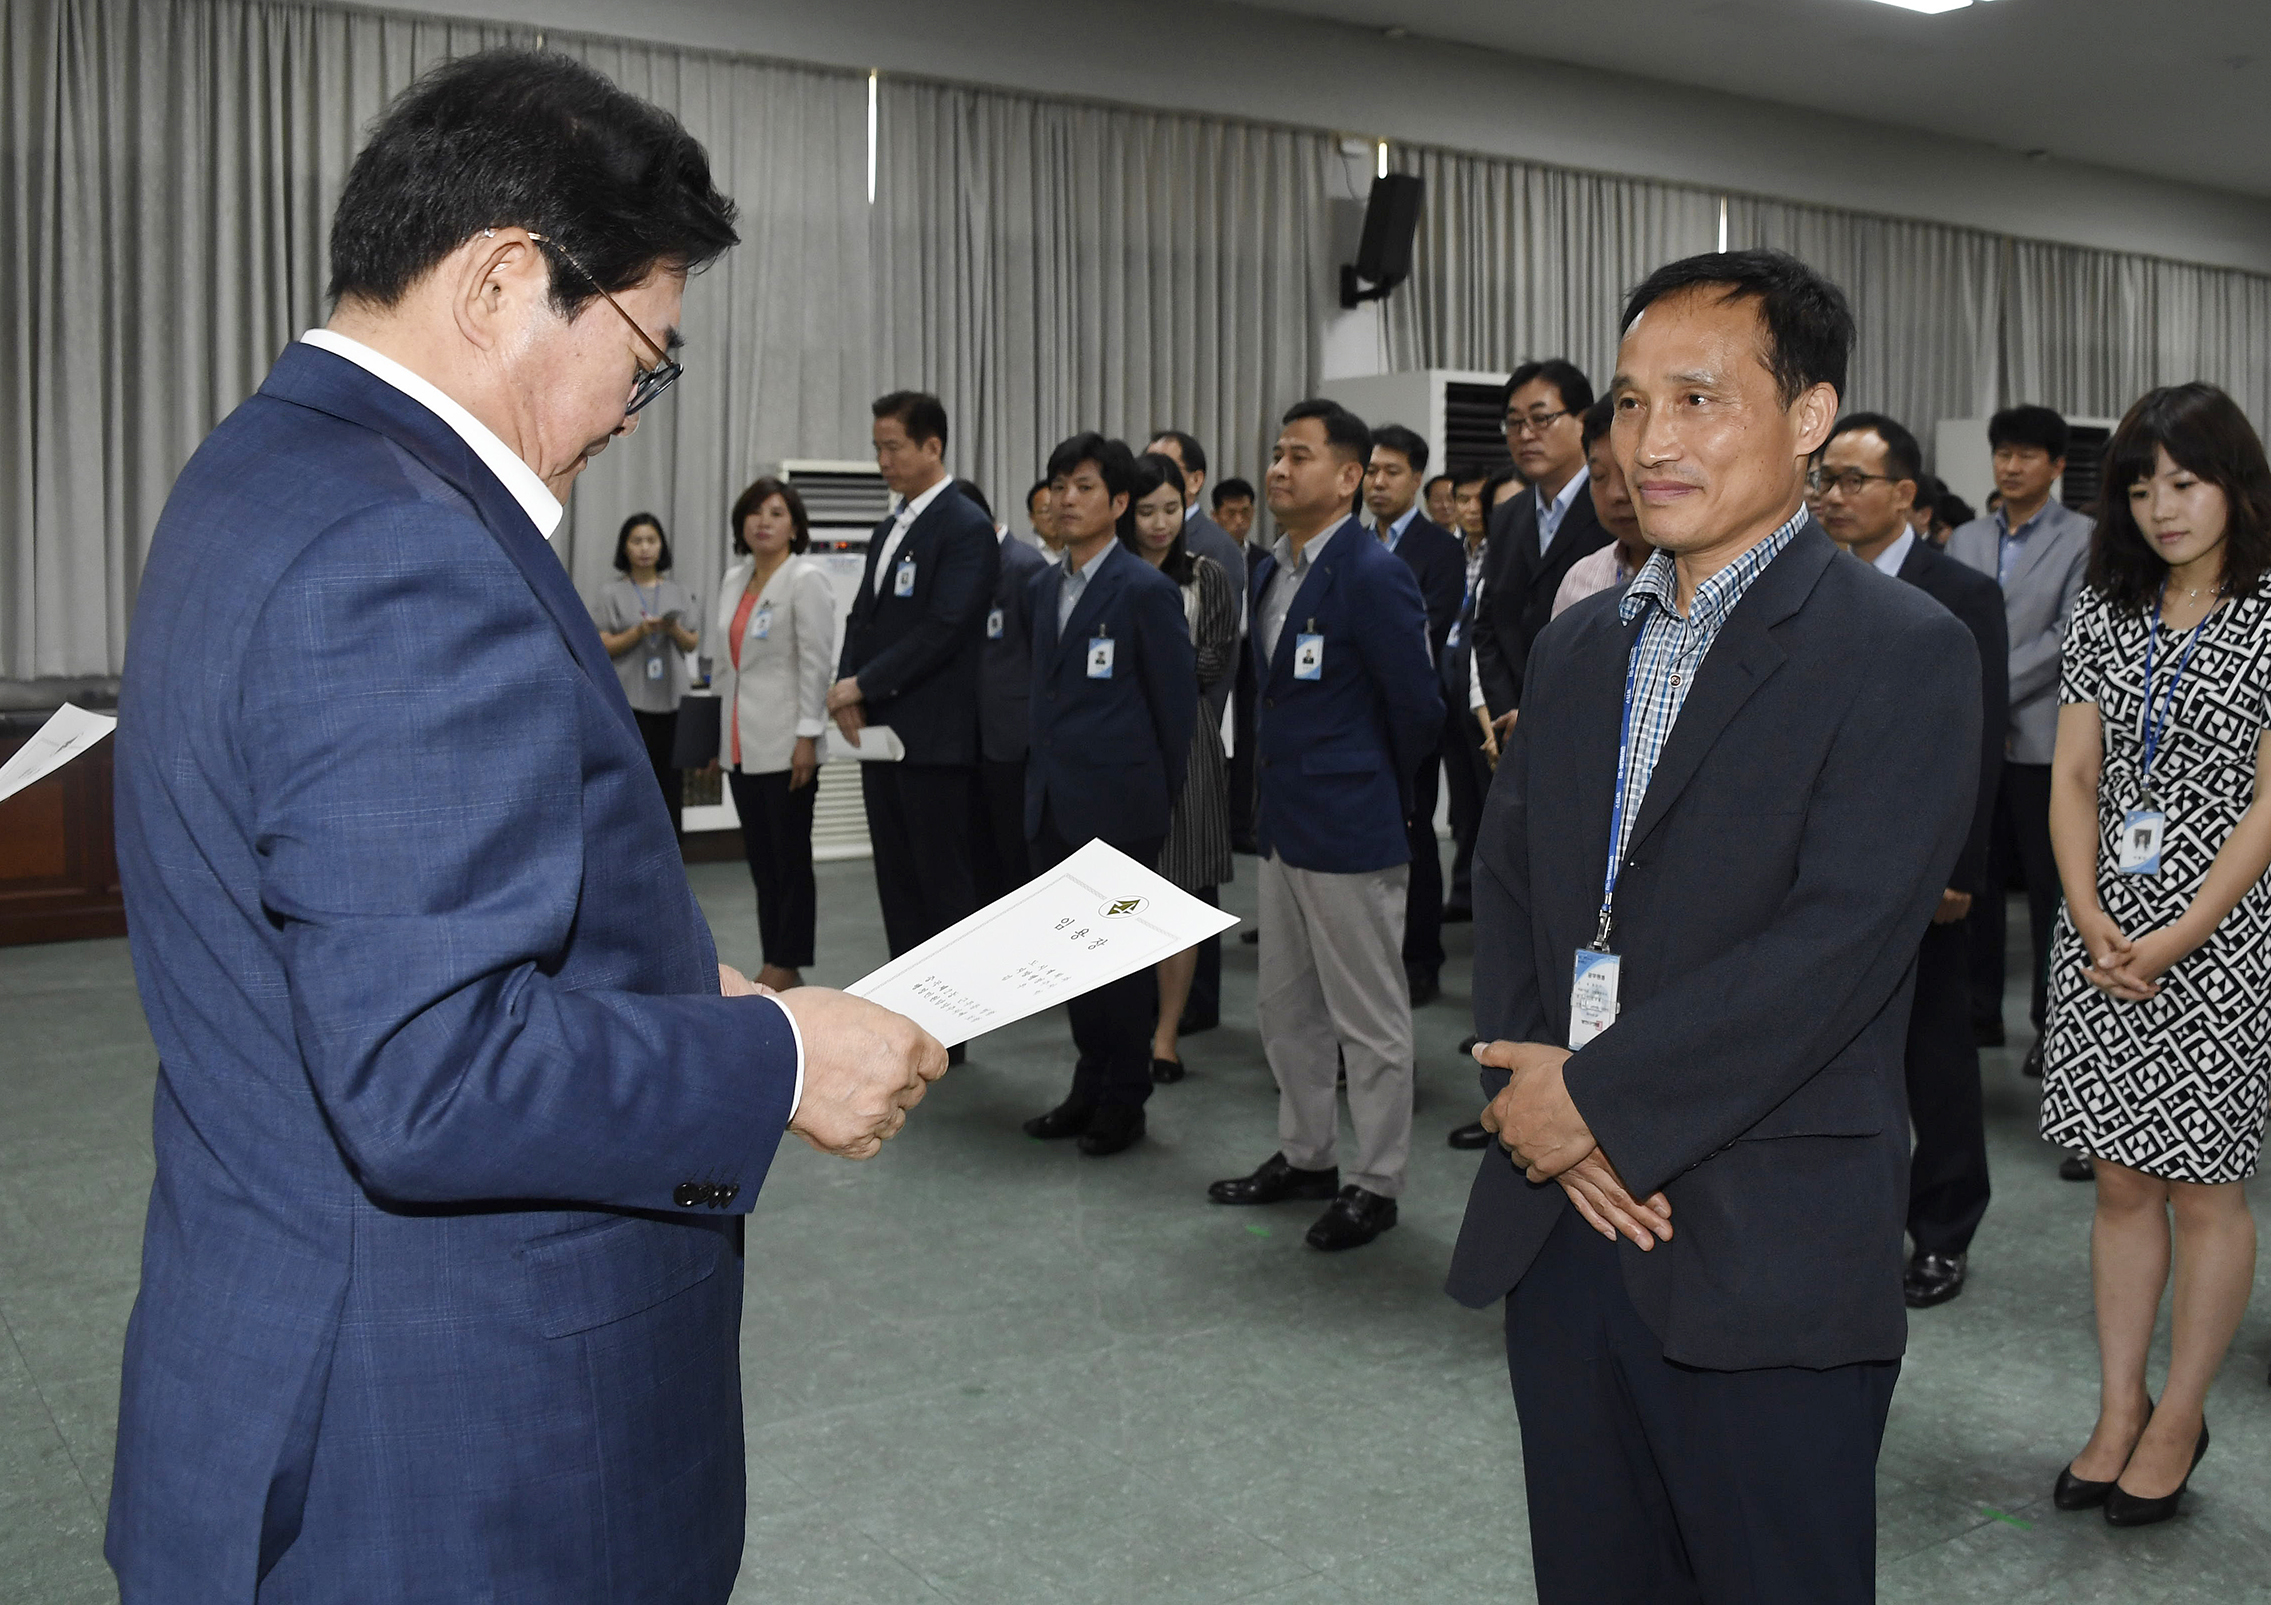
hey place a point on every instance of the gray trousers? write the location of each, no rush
(1333, 992)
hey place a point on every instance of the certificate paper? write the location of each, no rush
(1097, 916)
(69, 731)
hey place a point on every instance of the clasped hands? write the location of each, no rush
(1535, 1121)
(864, 1066)
(847, 704)
(2129, 970)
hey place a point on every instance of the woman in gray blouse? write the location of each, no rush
(649, 622)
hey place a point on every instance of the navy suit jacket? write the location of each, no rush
(1793, 843)
(1005, 664)
(1438, 561)
(917, 656)
(439, 1290)
(1978, 601)
(1337, 755)
(1109, 755)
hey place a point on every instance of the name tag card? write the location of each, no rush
(2139, 850)
(654, 668)
(1593, 995)
(903, 578)
(1100, 657)
(764, 623)
(1308, 657)
(993, 625)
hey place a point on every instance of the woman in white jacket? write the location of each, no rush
(777, 632)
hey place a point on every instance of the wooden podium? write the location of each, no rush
(58, 867)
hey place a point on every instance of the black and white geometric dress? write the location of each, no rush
(2174, 1086)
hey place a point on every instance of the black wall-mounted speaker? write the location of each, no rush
(1383, 254)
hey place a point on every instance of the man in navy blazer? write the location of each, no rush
(1005, 689)
(441, 1283)
(1720, 827)
(1348, 710)
(1438, 561)
(1115, 700)
(912, 646)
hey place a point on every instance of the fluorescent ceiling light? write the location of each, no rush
(1929, 7)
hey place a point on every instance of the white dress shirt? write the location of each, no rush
(1889, 560)
(535, 498)
(902, 522)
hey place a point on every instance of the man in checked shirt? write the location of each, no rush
(1711, 850)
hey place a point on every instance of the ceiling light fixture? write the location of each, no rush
(1930, 7)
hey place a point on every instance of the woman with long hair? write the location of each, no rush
(2158, 1054)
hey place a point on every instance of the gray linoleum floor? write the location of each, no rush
(984, 1369)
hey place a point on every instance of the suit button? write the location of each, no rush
(1269, 702)
(688, 1196)
(1265, 763)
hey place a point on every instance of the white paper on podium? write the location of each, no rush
(69, 731)
(1095, 917)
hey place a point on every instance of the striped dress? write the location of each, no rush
(1197, 853)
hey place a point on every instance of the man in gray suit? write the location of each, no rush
(2036, 549)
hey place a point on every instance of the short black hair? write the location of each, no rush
(1232, 490)
(1904, 459)
(919, 412)
(623, 543)
(1809, 324)
(1952, 510)
(2030, 426)
(525, 139)
(1568, 380)
(1112, 458)
(1408, 441)
(1598, 417)
(2205, 434)
(756, 496)
(1504, 474)
(1155, 470)
(1440, 479)
(1345, 432)
(1033, 490)
(969, 492)
(1194, 454)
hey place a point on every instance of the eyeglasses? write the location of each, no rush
(1846, 482)
(1532, 423)
(651, 382)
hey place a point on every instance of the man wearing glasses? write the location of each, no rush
(457, 1111)
(1535, 537)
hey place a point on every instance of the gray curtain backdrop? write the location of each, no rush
(168, 170)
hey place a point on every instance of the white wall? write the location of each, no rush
(1232, 60)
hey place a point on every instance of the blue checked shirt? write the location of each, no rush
(1670, 652)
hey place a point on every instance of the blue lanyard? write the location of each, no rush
(2154, 723)
(642, 599)
(1616, 807)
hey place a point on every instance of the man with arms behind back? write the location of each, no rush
(441, 1287)
(1719, 829)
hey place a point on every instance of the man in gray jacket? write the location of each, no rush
(2036, 549)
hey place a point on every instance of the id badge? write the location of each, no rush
(1452, 639)
(654, 668)
(1592, 995)
(764, 629)
(993, 625)
(1308, 657)
(1100, 657)
(2139, 850)
(903, 578)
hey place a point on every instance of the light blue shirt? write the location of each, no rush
(1889, 560)
(1392, 536)
(1075, 582)
(2009, 542)
(1550, 514)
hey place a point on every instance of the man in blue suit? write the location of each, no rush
(441, 1284)
(1348, 709)
(1115, 701)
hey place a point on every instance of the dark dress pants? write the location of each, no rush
(776, 837)
(918, 823)
(2021, 843)
(1000, 857)
(1245, 801)
(1423, 893)
(1652, 1483)
(1111, 1026)
(1467, 773)
(1203, 1011)
(1947, 1172)
(660, 732)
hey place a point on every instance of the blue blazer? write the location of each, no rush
(1337, 755)
(1438, 561)
(1005, 665)
(1108, 755)
(439, 1289)
(917, 656)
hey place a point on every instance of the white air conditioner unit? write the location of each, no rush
(1457, 411)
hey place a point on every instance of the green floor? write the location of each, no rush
(983, 1369)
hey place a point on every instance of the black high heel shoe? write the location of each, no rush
(2079, 1493)
(2125, 1509)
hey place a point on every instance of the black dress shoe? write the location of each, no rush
(1425, 989)
(2031, 1065)
(1458, 914)
(1987, 1033)
(2070, 1492)
(1111, 1127)
(1274, 1183)
(1469, 1136)
(1067, 1119)
(1166, 1070)
(2075, 1168)
(1931, 1279)
(1354, 1219)
(2125, 1509)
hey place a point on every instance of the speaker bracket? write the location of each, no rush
(1352, 295)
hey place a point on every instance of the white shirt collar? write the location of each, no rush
(1395, 531)
(921, 504)
(535, 497)
(1889, 560)
(1190, 512)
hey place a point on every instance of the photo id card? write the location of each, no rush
(1308, 657)
(1099, 657)
(654, 668)
(903, 578)
(1592, 995)
(993, 625)
(763, 624)
(2140, 845)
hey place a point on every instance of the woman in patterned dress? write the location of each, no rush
(1197, 854)
(2159, 1047)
